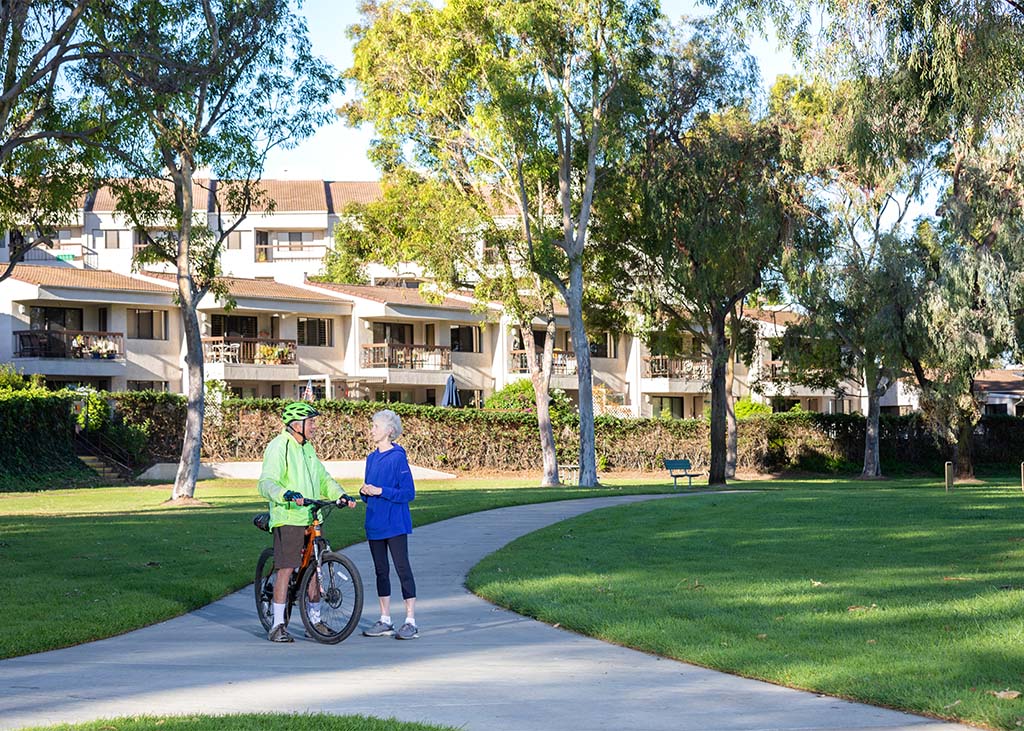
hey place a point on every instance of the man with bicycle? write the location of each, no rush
(291, 474)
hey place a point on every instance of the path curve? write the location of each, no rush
(475, 666)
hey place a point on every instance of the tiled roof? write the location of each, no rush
(341, 193)
(773, 317)
(998, 380)
(256, 288)
(71, 278)
(291, 196)
(104, 200)
(392, 295)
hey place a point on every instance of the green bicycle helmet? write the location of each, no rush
(297, 411)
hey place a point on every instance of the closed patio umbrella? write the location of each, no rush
(451, 393)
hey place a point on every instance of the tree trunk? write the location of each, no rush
(540, 374)
(872, 464)
(963, 454)
(191, 448)
(584, 373)
(719, 405)
(192, 444)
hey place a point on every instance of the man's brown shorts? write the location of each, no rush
(289, 540)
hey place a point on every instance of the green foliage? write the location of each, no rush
(37, 431)
(745, 408)
(520, 396)
(11, 378)
(95, 413)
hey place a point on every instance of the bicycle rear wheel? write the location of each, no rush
(263, 586)
(341, 602)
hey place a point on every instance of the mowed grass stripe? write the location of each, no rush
(897, 594)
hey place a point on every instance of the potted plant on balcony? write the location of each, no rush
(267, 355)
(78, 346)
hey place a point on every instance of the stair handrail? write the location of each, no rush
(106, 451)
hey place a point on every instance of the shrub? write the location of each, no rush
(745, 408)
(520, 396)
(95, 413)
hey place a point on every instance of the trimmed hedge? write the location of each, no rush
(462, 439)
(37, 430)
(39, 426)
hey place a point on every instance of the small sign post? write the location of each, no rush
(949, 476)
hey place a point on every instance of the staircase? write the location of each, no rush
(108, 474)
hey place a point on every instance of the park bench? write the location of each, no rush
(681, 468)
(568, 474)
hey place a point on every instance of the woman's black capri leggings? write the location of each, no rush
(399, 546)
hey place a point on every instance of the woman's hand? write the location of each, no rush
(370, 490)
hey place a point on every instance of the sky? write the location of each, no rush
(337, 152)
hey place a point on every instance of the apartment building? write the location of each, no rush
(78, 313)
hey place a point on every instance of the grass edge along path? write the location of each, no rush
(246, 722)
(117, 559)
(894, 593)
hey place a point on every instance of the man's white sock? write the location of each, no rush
(314, 612)
(385, 618)
(278, 614)
(410, 619)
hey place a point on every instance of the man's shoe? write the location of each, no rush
(322, 629)
(379, 629)
(407, 632)
(280, 634)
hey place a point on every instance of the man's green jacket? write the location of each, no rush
(288, 465)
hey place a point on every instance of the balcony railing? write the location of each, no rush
(562, 363)
(68, 344)
(416, 357)
(775, 368)
(289, 252)
(663, 366)
(253, 351)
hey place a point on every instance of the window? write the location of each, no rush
(429, 332)
(431, 397)
(147, 324)
(812, 404)
(605, 345)
(55, 318)
(466, 339)
(319, 391)
(392, 332)
(667, 407)
(995, 409)
(111, 239)
(316, 331)
(234, 240)
(394, 397)
(275, 390)
(233, 326)
(101, 319)
(294, 241)
(147, 385)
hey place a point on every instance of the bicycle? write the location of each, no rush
(329, 574)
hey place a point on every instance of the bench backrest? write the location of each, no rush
(677, 464)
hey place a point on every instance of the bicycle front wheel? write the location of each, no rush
(341, 601)
(264, 587)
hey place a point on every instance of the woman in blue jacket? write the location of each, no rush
(387, 491)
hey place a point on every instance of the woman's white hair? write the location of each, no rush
(391, 421)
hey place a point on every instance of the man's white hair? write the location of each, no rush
(391, 421)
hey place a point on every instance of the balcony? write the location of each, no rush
(686, 369)
(562, 363)
(411, 357)
(65, 344)
(250, 351)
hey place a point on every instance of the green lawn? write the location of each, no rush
(894, 593)
(246, 722)
(90, 563)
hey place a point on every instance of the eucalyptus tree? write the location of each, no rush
(704, 206)
(859, 291)
(219, 84)
(52, 123)
(453, 235)
(522, 101)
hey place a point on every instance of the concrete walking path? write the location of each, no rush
(475, 666)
